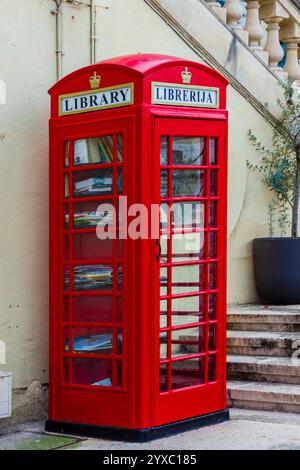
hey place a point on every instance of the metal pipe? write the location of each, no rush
(59, 39)
(93, 37)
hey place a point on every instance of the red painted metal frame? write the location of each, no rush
(137, 404)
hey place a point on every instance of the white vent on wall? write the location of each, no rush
(5, 394)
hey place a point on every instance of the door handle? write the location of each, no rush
(159, 250)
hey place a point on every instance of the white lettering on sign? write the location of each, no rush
(95, 100)
(185, 95)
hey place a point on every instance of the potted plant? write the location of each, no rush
(277, 259)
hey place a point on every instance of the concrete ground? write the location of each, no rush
(246, 429)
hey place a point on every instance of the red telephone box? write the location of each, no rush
(137, 321)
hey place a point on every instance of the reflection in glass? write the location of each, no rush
(188, 246)
(92, 309)
(212, 276)
(188, 278)
(163, 314)
(212, 368)
(163, 281)
(213, 214)
(163, 376)
(163, 338)
(164, 192)
(89, 371)
(212, 338)
(164, 150)
(188, 151)
(87, 246)
(119, 148)
(188, 215)
(188, 373)
(213, 151)
(187, 310)
(212, 306)
(188, 183)
(213, 244)
(213, 182)
(188, 341)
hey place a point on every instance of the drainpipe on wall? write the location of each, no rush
(93, 37)
(59, 39)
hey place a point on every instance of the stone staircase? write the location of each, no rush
(263, 369)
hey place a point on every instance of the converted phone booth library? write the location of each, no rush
(137, 318)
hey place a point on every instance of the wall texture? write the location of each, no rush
(27, 65)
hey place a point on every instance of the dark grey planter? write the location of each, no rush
(277, 269)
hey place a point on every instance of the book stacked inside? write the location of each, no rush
(93, 277)
(97, 185)
(90, 219)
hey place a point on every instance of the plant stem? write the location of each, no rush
(295, 211)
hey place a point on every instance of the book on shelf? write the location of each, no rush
(90, 219)
(94, 150)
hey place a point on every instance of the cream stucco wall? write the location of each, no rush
(27, 66)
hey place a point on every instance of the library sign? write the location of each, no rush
(95, 100)
(185, 95)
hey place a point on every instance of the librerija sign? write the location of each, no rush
(95, 100)
(185, 95)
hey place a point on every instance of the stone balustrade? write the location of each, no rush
(271, 31)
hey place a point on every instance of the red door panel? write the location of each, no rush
(189, 277)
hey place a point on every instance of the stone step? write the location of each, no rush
(264, 369)
(264, 396)
(263, 343)
(260, 318)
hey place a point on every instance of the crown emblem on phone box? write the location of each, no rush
(186, 76)
(95, 81)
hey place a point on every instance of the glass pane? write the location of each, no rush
(163, 375)
(164, 150)
(93, 277)
(90, 214)
(166, 215)
(188, 183)
(212, 306)
(188, 151)
(188, 310)
(188, 246)
(119, 309)
(66, 279)
(163, 281)
(119, 342)
(119, 374)
(212, 244)
(213, 151)
(212, 338)
(93, 309)
(66, 247)
(188, 341)
(163, 337)
(93, 151)
(66, 315)
(89, 371)
(88, 246)
(93, 182)
(186, 215)
(213, 182)
(66, 186)
(164, 192)
(212, 276)
(213, 214)
(120, 277)
(188, 278)
(211, 368)
(164, 248)
(67, 154)
(120, 181)
(188, 373)
(120, 148)
(88, 340)
(66, 368)
(163, 313)
(66, 339)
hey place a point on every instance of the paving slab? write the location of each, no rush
(236, 434)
